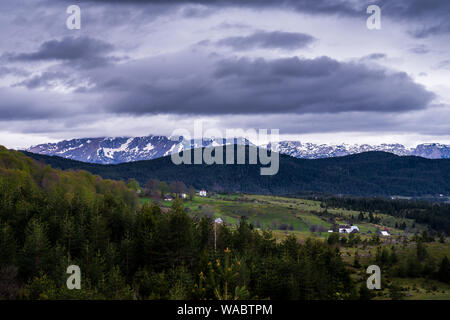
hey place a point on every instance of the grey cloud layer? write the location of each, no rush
(87, 80)
(21, 104)
(418, 122)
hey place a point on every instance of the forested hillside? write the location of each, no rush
(366, 174)
(50, 219)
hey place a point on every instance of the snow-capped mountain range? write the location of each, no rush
(126, 149)
(315, 151)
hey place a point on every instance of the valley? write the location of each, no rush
(310, 219)
(285, 216)
(164, 239)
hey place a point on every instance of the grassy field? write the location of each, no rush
(284, 215)
(424, 289)
(411, 288)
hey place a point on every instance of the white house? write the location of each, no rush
(218, 221)
(183, 196)
(168, 198)
(202, 193)
(347, 229)
(385, 233)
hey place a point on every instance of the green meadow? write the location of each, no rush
(285, 215)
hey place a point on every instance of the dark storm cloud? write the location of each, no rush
(245, 86)
(268, 40)
(413, 8)
(82, 51)
(424, 17)
(317, 6)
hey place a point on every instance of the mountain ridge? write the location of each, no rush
(365, 174)
(127, 149)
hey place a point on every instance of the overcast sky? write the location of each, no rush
(311, 69)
